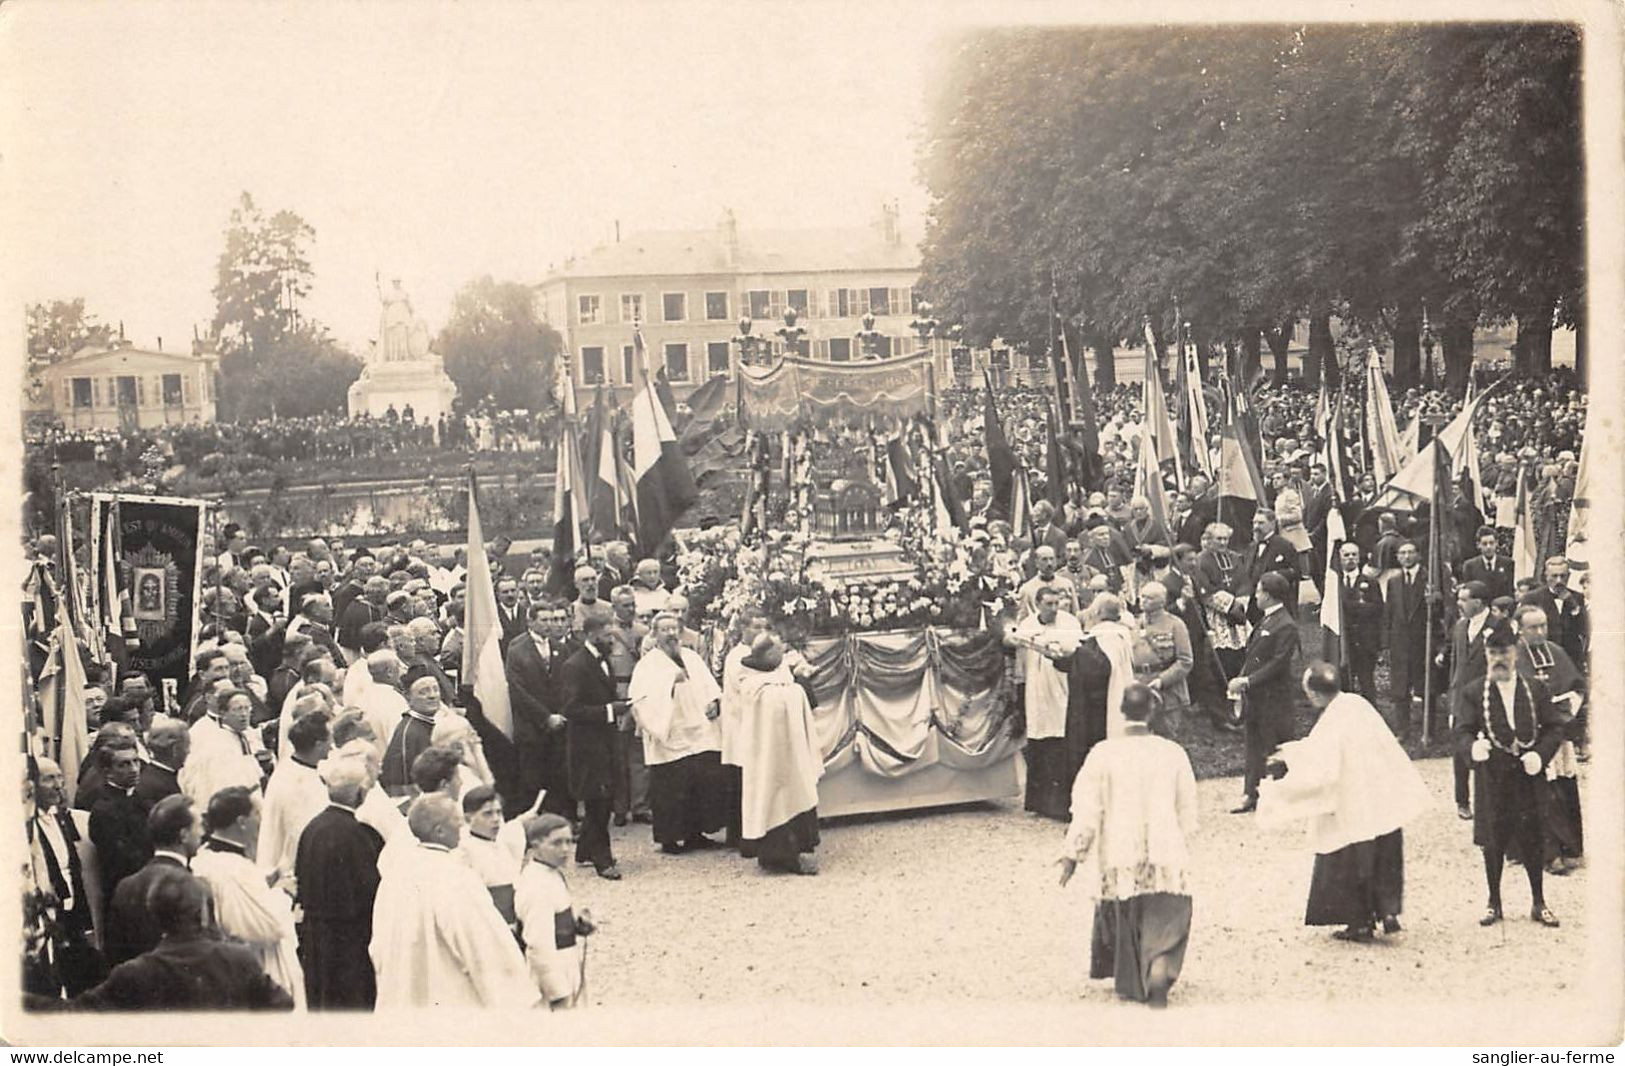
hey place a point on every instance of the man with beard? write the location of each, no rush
(676, 702)
(1270, 553)
(59, 848)
(594, 715)
(1510, 729)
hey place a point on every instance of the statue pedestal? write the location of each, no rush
(421, 383)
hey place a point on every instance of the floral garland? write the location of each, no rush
(1494, 729)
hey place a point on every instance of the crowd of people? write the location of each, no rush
(328, 782)
(326, 788)
(319, 438)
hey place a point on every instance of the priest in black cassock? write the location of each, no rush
(1542, 659)
(336, 869)
(1097, 672)
(1510, 728)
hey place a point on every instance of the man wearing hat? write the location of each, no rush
(1508, 726)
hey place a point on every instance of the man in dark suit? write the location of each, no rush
(510, 612)
(176, 831)
(1493, 571)
(1361, 601)
(1385, 555)
(118, 820)
(1568, 625)
(1509, 728)
(1404, 624)
(1268, 682)
(539, 728)
(336, 869)
(169, 741)
(1270, 553)
(187, 967)
(586, 686)
(1465, 654)
(371, 606)
(1045, 531)
(617, 568)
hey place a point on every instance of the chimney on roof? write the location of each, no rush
(728, 230)
(121, 329)
(160, 344)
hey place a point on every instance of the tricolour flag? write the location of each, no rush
(569, 492)
(1382, 436)
(1159, 427)
(664, 486)
(482, 668)
(1148, 483)
(62, 702)
(1525, 552)
(609, 504)
(1241, 486)
(1193, 404)
(1576, 550)
(1021, 511)
(1334, 628)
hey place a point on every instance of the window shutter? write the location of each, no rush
(67, 392)
(186, 389)
(895, 296)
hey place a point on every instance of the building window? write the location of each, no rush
(674, 307)
(677, 361)
(592, 366)
(797, 298)
(126, 391)
(82, 395)
(914, 301)
(172, 390)
(879, 301)
(760, 302)
(631, 307)
(629, 354)
(588, 310)
(716, 357)
(840, 349)
(716, 307)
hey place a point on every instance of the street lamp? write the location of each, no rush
(925, 324)
(869, 337)
(748, 342)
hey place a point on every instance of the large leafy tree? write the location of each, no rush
(273, 360)
(61, 327)
(497, 349)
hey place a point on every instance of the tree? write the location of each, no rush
(273, 361)
(496, 348)
(300, 373)
(60, 328)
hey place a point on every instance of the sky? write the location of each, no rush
(436, 142)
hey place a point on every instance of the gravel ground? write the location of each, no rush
(961, 904)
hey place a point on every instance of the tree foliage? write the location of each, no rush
(1255, 176)
(61, 327)
(496, 349)
(273, 360)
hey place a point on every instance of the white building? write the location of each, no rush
(125, 387)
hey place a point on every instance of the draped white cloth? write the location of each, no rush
(438, 940)
(294, 795)
(382, 708)
(541, 901)
(1116, 642)
(218, 759)
(1046, 687)
(255, 913)
(778, 750)
(1349, 777)
(669, 703)
(357, 680)
(1133, 806)
(732, 670)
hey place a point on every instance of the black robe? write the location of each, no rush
(1089, 674)
(336, 867)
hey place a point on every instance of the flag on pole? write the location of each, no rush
(1382, 436)
(1439, 539)
(1333, 624)
(1021, 512)
(610, 506)
(1525, 551)
(901, 481)
(664, 485)
(1193, 404)
(1159, 427)
(482, 667)
(1148, 483)
(1001, 459)
(1091, 468)
(1065, 383)
(62, 703)
(1576, 550)
(569, 492)
(950, 510)
(1055, 476)
(1241, 486)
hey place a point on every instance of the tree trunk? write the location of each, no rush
(1580, 349)
(1280, 340)
(1321, 360)
(1407, 366)
(1456, 338)
(1105, 362)
(1252, 340)
(1532, 351)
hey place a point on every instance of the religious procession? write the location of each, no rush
(875, 616)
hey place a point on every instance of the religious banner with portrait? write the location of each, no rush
(146, 562)
(797, 392)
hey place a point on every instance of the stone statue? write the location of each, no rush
(402, 336)
(401, 373)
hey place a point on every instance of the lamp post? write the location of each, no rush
(869, 337)
(925, 324)
(748, 342)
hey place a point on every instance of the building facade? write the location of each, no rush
(690, 288)
(127, 388)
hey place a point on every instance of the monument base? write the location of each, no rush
(423, 386)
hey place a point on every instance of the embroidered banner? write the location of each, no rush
(146, 557)
(800, 391)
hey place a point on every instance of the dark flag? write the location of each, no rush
(950, 508)
(1055, 475)
(1001, 459)
(158, 568)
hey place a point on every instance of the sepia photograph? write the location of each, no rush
(720, 524)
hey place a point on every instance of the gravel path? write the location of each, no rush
(961, 904)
